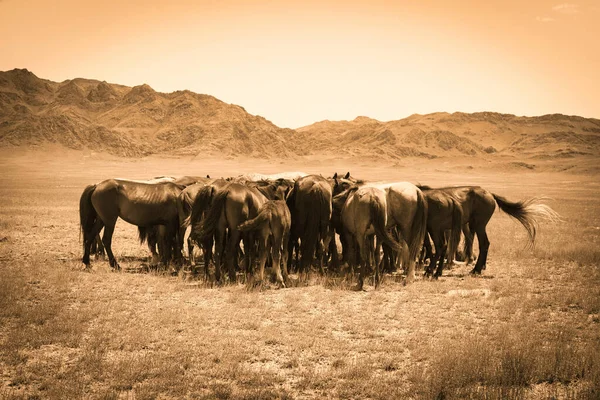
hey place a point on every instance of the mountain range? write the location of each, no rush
(137, 121)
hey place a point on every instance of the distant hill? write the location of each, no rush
(136, 121)
(459, 134)
(84, 113)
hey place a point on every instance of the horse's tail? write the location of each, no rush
(87, 213)
(209, 224)
(455, 231)
(326, 208)
(142, 234)
(418, 229)
(258, 222)
(200, 204)
(527, 213)
(184, 210)
(378, 219)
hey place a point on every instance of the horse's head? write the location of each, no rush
(341, 184)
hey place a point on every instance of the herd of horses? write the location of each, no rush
(294, 222)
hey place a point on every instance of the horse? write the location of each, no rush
(478, 206)
(193, 208)
(444, 213)
(190, 180)
(272, 224)
(185, 202)
(232, 205)
(139, 203)
(363, 215)
(149, 235)
(407, 212)
(309, 202)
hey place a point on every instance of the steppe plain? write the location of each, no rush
(529, 327)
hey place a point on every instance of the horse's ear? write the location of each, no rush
(347, 175)
(335, 176)
(208, 176)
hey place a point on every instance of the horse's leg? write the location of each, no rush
(276, 253)
(152, 241)
(284, 254)
(428, 249)
(88, 239)
(469, 237)
(435, 238)
(231, 253)
(207, 255)
(363, 245)
(484, 245)
(377, 260)
(349, 250)
(262, 254)
(219, 247)
(333, 251)
(164, 240)
(109, 229)
(442, 250)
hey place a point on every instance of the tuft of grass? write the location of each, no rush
(508, 367)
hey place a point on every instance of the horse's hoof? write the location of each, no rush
(87, 268)
(475, 272)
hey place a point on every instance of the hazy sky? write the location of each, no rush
(297, 62)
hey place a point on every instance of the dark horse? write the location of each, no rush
(142, 204)
(185, 203)
(478, 206)
(310, 205)
(444, 213)
(194, 206)
(231, 206)
(272, 225)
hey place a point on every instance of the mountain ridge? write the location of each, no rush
(90, 114)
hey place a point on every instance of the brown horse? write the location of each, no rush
(231, 206)
(310, 205)
(444, 214)
(194, 208)
(363, 214)
(478, 206)
(139, 203)
(273, 227)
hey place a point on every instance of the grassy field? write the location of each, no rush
(528, 328)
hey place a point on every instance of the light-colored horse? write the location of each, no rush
(407, 211)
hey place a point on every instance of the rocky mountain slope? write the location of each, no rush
(83, 113)
(135, 121)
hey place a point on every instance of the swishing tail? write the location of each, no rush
(418, 228)
(87, 213)
(527, 212)
(455, 231)
(256, 223)
(209, 224)
(378, 217)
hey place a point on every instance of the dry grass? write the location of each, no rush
(529, 328)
